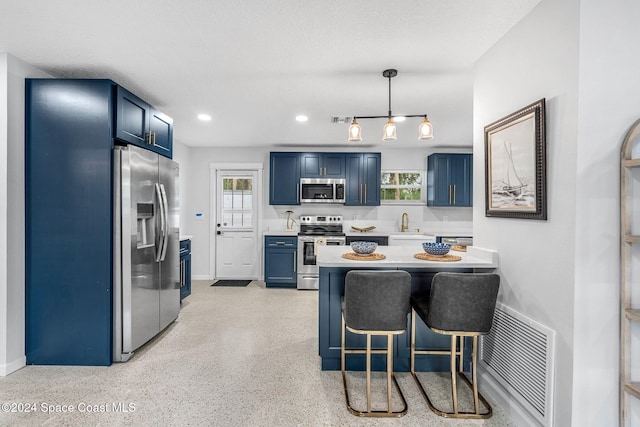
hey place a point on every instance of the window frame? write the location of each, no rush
(423, 187)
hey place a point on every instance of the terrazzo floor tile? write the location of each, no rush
(235, 357)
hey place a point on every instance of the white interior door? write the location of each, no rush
(237, 249)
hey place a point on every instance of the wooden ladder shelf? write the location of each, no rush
(629, 268)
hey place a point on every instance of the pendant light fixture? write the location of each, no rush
(425, 129)
(355, 131)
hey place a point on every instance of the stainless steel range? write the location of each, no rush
(316, 230)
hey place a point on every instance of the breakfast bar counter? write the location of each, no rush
(403, 257)
(333, 269)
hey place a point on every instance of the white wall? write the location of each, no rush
(537, 59)
(608, 105)
(563, 272)
(198, 191)
(181, 156)
(12, 75)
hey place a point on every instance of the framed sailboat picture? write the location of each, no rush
(515, 164)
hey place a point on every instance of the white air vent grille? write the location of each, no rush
(341, 120)
(519, 354)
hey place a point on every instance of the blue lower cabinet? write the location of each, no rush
(185, 268)
(280, 258)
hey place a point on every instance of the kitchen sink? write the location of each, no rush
(409, 238)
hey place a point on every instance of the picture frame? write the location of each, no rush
(515, 165)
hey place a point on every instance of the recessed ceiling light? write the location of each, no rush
(302, 118)
(204, 117)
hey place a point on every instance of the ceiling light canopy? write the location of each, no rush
(425, 129)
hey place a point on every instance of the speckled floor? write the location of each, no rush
(235, 357)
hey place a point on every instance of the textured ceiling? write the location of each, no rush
(254, 65)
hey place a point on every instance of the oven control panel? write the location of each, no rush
(321, 219)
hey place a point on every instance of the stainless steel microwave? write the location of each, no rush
(321, 190)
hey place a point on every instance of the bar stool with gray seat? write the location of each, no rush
(460, 305)
(375, 302)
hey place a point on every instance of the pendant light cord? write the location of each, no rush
(389, 96)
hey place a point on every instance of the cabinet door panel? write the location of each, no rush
(461, 178)
(333, 164)
(371, 179)
(279, 266)
(284, 179)
(442, 174)
(353, 190)
(310, 164)
(161, 127)
(132, 118)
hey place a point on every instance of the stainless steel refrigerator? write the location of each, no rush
(146, 291)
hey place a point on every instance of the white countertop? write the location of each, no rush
(186, 237)
(451, 233)
(402, 256)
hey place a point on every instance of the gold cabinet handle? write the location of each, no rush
(365, 194)
(454, 194)
(360, 193)
(295, 261)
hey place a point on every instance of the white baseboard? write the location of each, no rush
(201, 277)
(8, 368)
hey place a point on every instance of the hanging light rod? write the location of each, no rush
(425, 129)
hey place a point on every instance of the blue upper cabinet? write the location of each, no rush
(140, 124)
(161, 130)
(449, 180)
(284, 178)
(322, 165)
(363, 179)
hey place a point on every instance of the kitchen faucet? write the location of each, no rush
(405, 222)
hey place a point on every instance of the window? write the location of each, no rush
(237, 205)
(402, 187)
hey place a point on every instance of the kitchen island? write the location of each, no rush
(333, 269)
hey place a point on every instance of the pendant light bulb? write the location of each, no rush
(425, 129)
(355, 131)
(389, 131)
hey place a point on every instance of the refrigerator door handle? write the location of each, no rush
(160, 241)
(165, 231)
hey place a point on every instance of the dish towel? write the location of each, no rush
(318, 241)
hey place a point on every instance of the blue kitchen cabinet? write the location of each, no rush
(362, 179)
(449, 179)
(284, 178)
(185, 268)
(70, 133)
(69, 269)
(140, 124)
(322, 165)
(280, 258)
